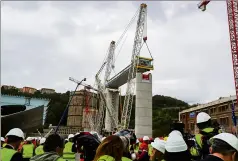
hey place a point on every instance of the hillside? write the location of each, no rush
(162, 114)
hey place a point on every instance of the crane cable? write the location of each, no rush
(127, 27)
(149, 50)
(123, 34)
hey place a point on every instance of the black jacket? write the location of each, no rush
(212, 158)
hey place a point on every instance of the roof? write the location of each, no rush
(216, 102)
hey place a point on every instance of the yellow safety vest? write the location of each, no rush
(7, 154)
(198, 140)
(28, 150)
(67, 153)
(125, 159)
(4, 144)
(106, 158)
(137, 148)
(39, 150)
(150, 149)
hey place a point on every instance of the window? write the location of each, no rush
(224, 121)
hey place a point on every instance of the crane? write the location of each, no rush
(127, 106)
(97, 124)
(232, 13)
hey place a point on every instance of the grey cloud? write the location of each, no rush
(26, 6)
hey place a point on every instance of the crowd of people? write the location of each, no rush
(210, 144)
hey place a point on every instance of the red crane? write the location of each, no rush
(232, 13)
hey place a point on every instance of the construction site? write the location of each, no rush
(99, 107)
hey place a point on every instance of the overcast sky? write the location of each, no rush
(45, 43)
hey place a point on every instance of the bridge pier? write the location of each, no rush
(112, 99)
(143, 110)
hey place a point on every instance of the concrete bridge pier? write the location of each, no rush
(143, 110)
(112, 99)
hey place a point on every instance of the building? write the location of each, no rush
(219, 110)
(8, 87)
(47, 91)
(29, 90)
(82, 108)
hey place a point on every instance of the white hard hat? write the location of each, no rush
(16, 132)
(29, 139)
(137, 141)
(230, 139)
(146, 138)
(203, 117)
(70, 136)
(103, 138)
(77, 133)
(175, 132)
(159, 145)
(133, 156)
(175, 143)
(2, 139)
(42, 140)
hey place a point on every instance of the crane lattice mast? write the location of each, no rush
(232, 13)
(127, 106)
(99, 119)
(110, 61)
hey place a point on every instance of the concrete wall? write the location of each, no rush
(112, 99)
(143, 120)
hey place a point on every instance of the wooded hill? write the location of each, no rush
(165, 109)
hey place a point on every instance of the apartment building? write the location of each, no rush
(8, 87)
(47, 91)
(29, 90)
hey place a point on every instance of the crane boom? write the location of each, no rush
(232, 13)
(127, 106)
(110, 61)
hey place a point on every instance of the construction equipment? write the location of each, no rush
(232, 13)
(104, 105)
(127, 106)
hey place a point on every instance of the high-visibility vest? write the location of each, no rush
(28, 150)
(39, 150)
(125, 159)
(4, 144)
(150, 149)
(67, 153)
(106, 158)
(136, 148)
(7, 154)
(195, 152)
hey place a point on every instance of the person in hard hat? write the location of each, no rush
(224, 148)
(53, 149)
(127, 156)
(143, 153)
(39, 150)
(66, 140)
(176, 149)
(9, 152)
(111, 149)
(68, 150)
(2, 141)
(136, 146)
(206, 131)
(158, 150)
(28, 149)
